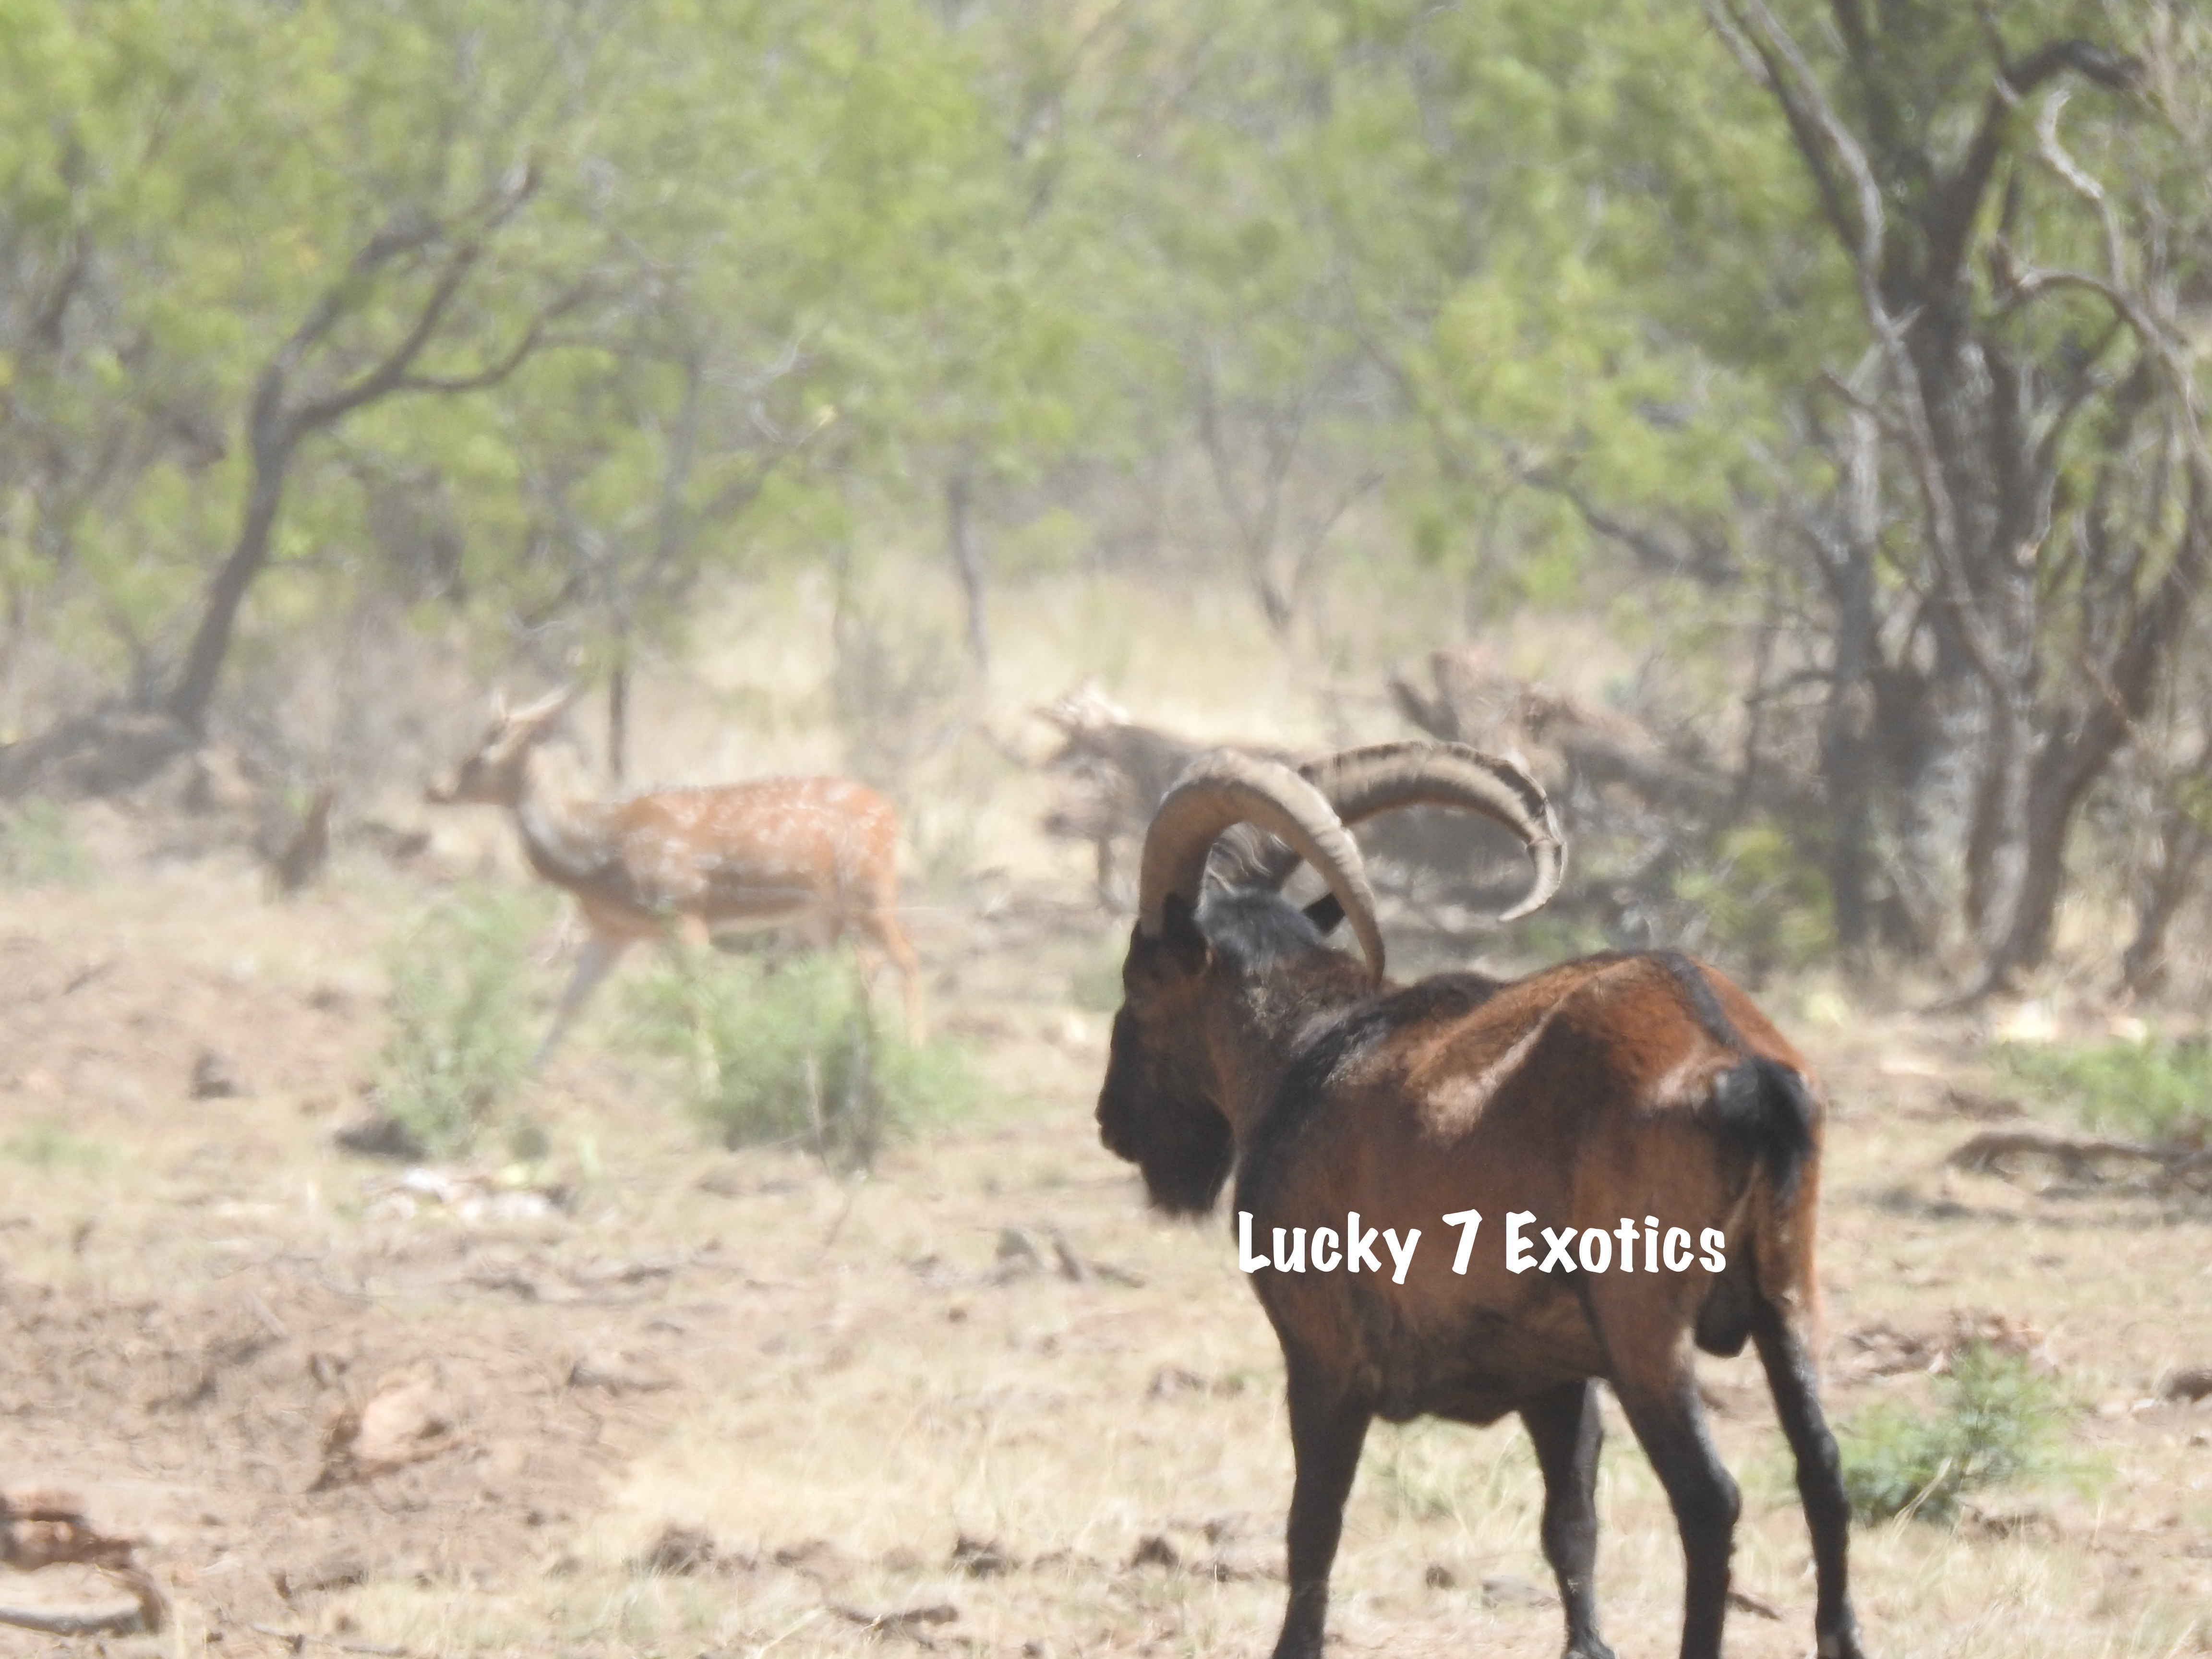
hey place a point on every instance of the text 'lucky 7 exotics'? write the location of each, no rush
(1645, 1246)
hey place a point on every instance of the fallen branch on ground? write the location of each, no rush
(297, 1639)
(2075, 1154)
(39, 1529)
(909, 1621)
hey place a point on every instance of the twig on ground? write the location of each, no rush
(300, 1638)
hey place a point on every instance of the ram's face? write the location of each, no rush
(1157, 1107)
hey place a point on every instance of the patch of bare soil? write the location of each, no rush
(678, 1399)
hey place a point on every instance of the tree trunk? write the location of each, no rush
(1847, 723)
(2183, 842)
(2053, 801)
(189, 701)
(968, 561)
(618, 719)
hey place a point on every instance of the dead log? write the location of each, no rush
(40, 1530)
(2075, 1154)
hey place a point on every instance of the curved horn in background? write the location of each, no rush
(1224, 788)
(552, 704)
(1360, 783)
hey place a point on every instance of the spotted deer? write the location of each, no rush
(817, 855)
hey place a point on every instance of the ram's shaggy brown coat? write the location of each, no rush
(1618, 1086)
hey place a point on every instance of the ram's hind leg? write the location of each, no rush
(1564, 1427)
(1328, 1425)
(1660, 1398)
(1789, 1373)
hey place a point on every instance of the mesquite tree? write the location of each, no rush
(2027, 406)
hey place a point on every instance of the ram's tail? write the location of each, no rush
(1768, 1110)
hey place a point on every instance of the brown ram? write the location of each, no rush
(1590, 1098)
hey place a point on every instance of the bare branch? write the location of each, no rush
(2077, 179)
(1983, 649)
(1960, 200)
(387, 375)
(1760, 62)
(493, 373)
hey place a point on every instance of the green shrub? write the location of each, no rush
(38, 847)
(791, 1055)
(1995, 1420)
(1096, 983)
(47, 1146)
(2158, 1091)
(1759, 899)
(461, 1016)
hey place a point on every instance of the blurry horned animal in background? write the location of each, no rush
(818, 855)
(1116, 771)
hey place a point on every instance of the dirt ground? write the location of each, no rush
(698, 1403)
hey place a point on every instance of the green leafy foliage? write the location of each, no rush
(791, 1054)
(1538, 293)
(1995, 1420)
(461, 1015)
(1758, 900)
(46, 1145)
(1095, 983)
(40, 848)
(2158, 1089)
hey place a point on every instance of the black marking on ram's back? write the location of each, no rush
(1304, 1093)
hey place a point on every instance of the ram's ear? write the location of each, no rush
(1326, 912)
(1180, 933)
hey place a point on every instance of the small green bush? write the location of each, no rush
(2156, 1091)
(1996, 1421)
(1096, 983)
(38, 847)
(461, 1037)
(791, 1055)
(1761, 899)
(48, 1145)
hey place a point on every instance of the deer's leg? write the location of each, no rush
(1328, 1425)
(689, 940)
(601, 951)
(1789, 1373)
(881, 924)
(1563, 1422)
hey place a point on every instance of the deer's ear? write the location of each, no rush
(547, 708)
(1326, 913)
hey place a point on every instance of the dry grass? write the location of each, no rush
(837, 1382)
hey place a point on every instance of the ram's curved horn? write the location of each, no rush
(1225, 787)
(1360, 783)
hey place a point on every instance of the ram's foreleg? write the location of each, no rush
(1328, 1425)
